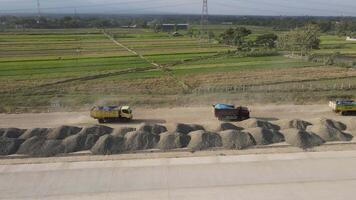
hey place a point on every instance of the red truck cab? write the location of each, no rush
(226, 112)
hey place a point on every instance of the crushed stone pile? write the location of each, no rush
(109, 144)
(40, 132)
(301, 138)
(41, 147)
(187, 128)
(201, 140)
(121, 132)
(253, 123)
(330, 123)
(140, 140)
(9, 146)
(86, 138)
(63, 132)
(295, 123)
(152, 128)
(13, 132)
(329, 133)
(233, 139)
(173, 140)
(263, 136)
(227, 126)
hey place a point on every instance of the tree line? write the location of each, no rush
(335, 25)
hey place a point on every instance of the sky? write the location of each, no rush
(216, 7)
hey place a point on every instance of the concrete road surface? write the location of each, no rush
(297, 176)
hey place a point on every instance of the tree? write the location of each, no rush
(235, 37)
(300, 39)
(267, 40)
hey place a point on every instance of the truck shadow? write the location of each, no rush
(266, 118)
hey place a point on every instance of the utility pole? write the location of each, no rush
(39, 11)
(204, 21)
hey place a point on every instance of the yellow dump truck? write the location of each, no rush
(105, 114)
(344, 107)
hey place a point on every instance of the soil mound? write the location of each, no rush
(121, 132)
(329, 133)
(295, 123)
(233, 139)
(175, 140)
(40, 132)
(187, 128)
(264, 136)
(39, 146)
(330, 123)
(254, 123)
(302, 138)
(62, 132)
(79, 142)
(98, 130)
(13, 132)
(86, 138)
(140, 140)
(201, 140)
(152, 128)
(109, 144)
(9, 146)
(227, 126)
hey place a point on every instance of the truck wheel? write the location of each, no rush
(101, 121)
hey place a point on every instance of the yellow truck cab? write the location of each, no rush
(106, 114)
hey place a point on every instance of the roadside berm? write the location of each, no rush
(104, 140)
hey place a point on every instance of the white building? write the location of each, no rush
(351, 38)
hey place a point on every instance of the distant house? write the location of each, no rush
(132, 26)
(227, 23)
(351, 38)
(174, 27)
(168, 27)
(182, 27)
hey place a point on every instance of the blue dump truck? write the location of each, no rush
(227, 112)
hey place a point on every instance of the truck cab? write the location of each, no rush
(227, 112)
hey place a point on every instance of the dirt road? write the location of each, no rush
(199, 115)
(314, 176)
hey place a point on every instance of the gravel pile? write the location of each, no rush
(86, 138)
(140, 140)
(301, 138)
(330, 123)
(227, 126)
(9, 146)
(173, 140)
(152, 128)
(233, 139)
(187, 128)
(109, 144)
(263, 136)
(254, 123)
(63, 132)
(329, 133)
(39, 132)
(41, 147)
(295, 123)
(121, 132)
(12, 132)
(201, 140)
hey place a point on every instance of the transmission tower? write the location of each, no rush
(204, 21)
(39, 11)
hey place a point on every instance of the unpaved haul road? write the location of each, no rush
(314, 176)
(198, 115)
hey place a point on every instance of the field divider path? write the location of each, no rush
(185, 87)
